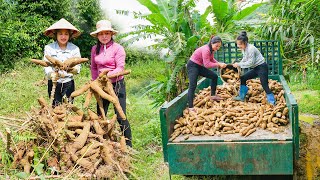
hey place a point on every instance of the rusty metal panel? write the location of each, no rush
(231, 158)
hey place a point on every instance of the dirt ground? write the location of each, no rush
(308, 165)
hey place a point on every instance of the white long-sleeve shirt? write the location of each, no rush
(251, 57)
(54, 51)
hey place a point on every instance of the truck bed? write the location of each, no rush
(258, 135)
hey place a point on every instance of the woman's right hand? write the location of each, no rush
(222, 65)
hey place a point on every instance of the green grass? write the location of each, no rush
(18, 91)
(299, 82)
(308, 101)
(308, 118)
(306, 91)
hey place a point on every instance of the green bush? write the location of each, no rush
(134, 56)
(21, 39)
(85, 17)
(23, 22)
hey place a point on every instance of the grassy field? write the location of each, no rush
(21, 87)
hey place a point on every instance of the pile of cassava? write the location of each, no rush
(229, 116)
(78, 141)
(230, 74)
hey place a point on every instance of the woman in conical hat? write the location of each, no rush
(109, 55)
(61, 31)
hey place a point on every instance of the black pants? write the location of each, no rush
(194, 70)
(260, 71)
(61, 90)
(120, 90)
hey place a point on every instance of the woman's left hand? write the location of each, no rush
(235, 65)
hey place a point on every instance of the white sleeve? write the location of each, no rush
(248, 60)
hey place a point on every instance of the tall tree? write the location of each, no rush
(53, 8)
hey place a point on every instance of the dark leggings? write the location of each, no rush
(262, 72)
(61, 90)
(120, 89)
(194, 70)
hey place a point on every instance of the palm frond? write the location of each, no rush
(150, 5)
(178, 42)
(247, 11)
(164, 9)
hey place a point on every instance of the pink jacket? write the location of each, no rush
(202, 57)
(111, 58)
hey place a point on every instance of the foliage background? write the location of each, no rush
(295, 24)
(22, 23)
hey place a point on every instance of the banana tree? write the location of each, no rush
(228, 13)
(177, 27)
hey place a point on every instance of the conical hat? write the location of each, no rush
(62, 24)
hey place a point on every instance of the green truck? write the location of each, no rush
(262, 153)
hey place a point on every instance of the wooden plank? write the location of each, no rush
(231, 158)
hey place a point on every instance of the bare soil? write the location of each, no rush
(308, 165)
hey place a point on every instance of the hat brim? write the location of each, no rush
(95, 33)
(62, 24)
(50, 33)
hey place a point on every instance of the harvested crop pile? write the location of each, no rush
(77, 142)
(75, 139)
(229, 116)
(230, 74)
